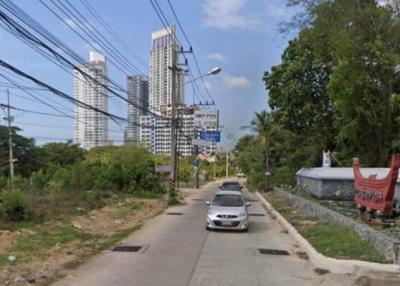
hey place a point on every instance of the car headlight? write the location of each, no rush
(243, 213)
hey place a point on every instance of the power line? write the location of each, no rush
(59, 93)
(164, 21)
(190, 44)
(30, 38)
(30, 111)
(87, 28)
(112, 32)
(35, 97)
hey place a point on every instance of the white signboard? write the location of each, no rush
(205, 118)
(199, 142)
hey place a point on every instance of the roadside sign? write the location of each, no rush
(195, 163)
(163, 169)
(199, 142)
(214, 136)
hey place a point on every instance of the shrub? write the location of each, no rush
(12, 206)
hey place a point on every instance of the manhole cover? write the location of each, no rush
(273, 251)
(174, 213)
(256, 214)
(127, 248)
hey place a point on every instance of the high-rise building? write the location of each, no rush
(90, 125)
(155, 133)
(138, 96)
(163, 55)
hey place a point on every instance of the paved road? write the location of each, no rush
(179, 251)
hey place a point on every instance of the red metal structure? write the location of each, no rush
(376, 194)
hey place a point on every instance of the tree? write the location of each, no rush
(27, 156)
(62, 154)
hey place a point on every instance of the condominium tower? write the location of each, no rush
(164, 56)
(89, 88)
(138, 97)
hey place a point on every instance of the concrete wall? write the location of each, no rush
(335, 183)
(386, 245)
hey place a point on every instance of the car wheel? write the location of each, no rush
(207, 228)
(245, 230)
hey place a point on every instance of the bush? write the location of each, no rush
(12, 206)
(3, 182)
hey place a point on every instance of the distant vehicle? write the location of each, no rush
(241, 175)
(228, 210)
(231, 186)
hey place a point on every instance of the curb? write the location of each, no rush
(319, 260)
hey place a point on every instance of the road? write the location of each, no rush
(177, 250)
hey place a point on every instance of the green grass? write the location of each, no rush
(126, 210)
(340, 242)
(35, 241)
(332, 240)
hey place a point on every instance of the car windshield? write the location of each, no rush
(231, 185)
(228, 201)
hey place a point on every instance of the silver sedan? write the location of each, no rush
(228, 210)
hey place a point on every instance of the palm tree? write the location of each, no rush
(262, 125)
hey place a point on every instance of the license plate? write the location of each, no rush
(226, 223)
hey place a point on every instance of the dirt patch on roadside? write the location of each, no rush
(40, 254)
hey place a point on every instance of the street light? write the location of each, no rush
(214, 71)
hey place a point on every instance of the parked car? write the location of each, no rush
(241, 175)
(228, 210)
(231, 186)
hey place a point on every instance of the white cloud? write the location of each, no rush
(277, 11)
(236, 81)
(216, 57)
(227, 14)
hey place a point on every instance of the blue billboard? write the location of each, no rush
(213, 136)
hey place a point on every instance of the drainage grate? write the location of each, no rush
(127, 248)
(273, 251)
(174, 213)
(197, 200)
(256, 214)
(251, 200)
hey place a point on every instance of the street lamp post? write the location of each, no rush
(212, 72)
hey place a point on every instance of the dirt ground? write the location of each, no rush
(98, 229)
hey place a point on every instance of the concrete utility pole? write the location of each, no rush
(174, 132)
(10, 142)
(227, 156)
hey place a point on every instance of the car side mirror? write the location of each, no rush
(207, 203)
(248, 204)
(219, 187)
(241, 187)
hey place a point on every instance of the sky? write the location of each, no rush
(240, 36)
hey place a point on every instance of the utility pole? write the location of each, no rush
(227, 156)
(10, 142)
(174, 133)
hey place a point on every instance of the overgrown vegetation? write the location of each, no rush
(329, 239)
(337, 88)
(62, 179)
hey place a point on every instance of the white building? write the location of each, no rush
(163, 55)
(155, 133)
(138, 95)
(91, 126)
(206, 120)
